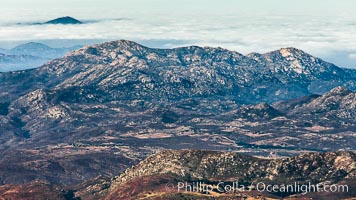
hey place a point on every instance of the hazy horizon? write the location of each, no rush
(323, 28)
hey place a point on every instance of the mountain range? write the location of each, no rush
(103, 108)
(30, 55)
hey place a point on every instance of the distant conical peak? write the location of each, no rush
(64, 20)
(32, 44)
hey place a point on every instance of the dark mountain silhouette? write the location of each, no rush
(64, 20)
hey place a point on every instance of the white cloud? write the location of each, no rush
(236, 29)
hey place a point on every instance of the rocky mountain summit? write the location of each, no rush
(103, 108)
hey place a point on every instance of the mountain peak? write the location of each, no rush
(293, 60)
(64, 20)
(117, 44)
(340, 91)
(126, 44)
(263, 106)
(259, 111)
(31, 45)
(110, 49)
(290, 51)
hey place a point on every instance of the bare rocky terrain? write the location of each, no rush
(148, 179)
(159, 176)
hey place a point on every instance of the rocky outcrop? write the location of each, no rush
(210, 167)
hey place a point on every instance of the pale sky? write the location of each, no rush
(324, 28)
